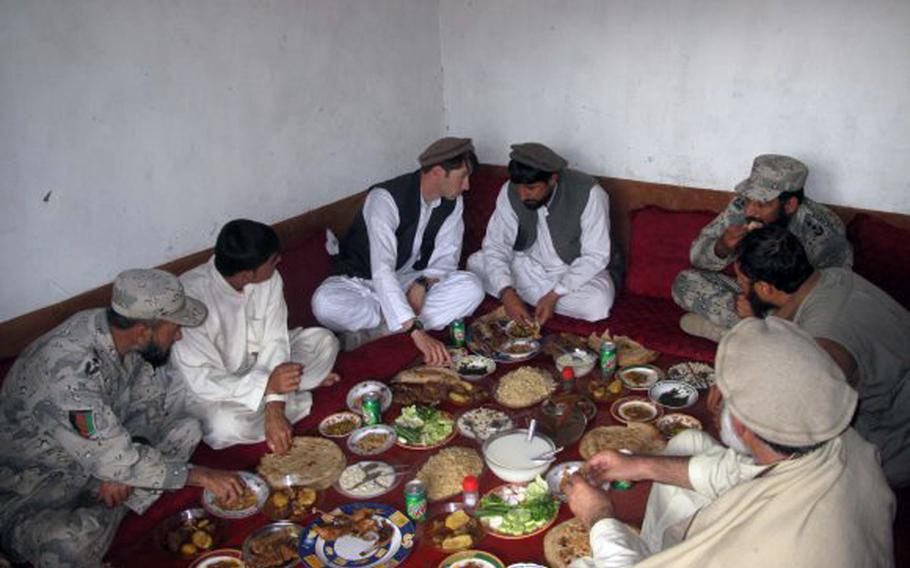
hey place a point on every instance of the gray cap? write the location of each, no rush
(538, 156)
(773, 174)
(444, 149)
(781, 385)
(152, 294)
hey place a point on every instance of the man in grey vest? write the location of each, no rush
(772, 195)
(396, 270)
(548, 241)
(88, 429)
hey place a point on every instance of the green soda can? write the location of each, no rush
(415, 500)
(622, 484)
(608, 361)
(371, 407)
(458, 333)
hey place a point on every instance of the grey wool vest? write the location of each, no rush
(564, 219)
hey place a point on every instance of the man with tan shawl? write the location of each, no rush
(814, 494)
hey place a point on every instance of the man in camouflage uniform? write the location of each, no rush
(772, 194)
(86, 431)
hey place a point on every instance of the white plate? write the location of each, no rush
(465, 428)
(505, 357)
(665, 388)
(336, 418)
(649, 376)
(699, 375)
(360, 389)
(254, 482)
(386, 482)
(357, 435)
(554, 478)
(475, 362)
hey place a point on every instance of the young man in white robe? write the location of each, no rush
(796, 487)
(396, 269)
(248, 378)
(548, 241)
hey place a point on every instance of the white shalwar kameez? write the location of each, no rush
(226, 362)
(585, 288)
(344, 303)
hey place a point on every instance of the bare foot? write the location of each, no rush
(330, 379)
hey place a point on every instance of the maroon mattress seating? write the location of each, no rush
(644, 310)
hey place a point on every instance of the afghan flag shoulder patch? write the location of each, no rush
(84, 423)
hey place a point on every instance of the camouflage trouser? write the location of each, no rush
(78, 535)
(709, 294)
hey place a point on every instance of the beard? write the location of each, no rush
(535, 204)
(728, 435)
(782, 220)
(759, 307)
(154, 355)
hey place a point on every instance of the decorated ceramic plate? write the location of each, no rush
(639, 377)
(481, 423)
(516, 350)
(515, 522)
(699, 375)
(248, 505)
(673, 394)
(635, 409)
(432, 435)
(367, 479)
(675, 422)
(475, 367)
(340, 424)
(273, 545)
(471, 559)
(371, 440)
(357, 392)
(222, 558)
(350, 550)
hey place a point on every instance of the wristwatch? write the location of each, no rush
(415, 326)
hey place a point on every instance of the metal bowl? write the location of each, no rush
(188, 517)
(253, 560)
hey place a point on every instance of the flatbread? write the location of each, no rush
(315, 462)
(629, 351)
(424, 375)
(566, 542)
(444, 472)
(637, 437)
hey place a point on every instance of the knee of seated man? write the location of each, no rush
(682, 284)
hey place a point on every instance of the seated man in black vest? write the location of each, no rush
(396, 270)
(548, 241)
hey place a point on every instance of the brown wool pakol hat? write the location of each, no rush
(444, 149)
(538, 156)
(781, 385)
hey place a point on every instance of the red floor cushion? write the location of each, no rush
(303, 268)
(659, 248)
(881, 255)
(479, 203)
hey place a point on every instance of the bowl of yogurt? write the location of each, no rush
(509, 455)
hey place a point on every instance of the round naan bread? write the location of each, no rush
(637, 437)
(315, 462)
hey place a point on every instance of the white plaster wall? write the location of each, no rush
(689, 91)
(152, 122)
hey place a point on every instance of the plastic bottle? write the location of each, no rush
(568, 379)
(469, 493)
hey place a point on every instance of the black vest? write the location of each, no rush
(354, 257)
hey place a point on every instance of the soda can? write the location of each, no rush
(371, 408)
(622, 484)
(608, 361)
(415, 500)
(459, 333)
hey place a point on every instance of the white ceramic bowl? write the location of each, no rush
(510, 460)
(581, 361)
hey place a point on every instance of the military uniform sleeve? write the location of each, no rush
(498, 242)
(83, 423)
(824, 237)
(701, 253)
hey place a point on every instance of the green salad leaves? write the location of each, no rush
(421, 425)
(526, 510)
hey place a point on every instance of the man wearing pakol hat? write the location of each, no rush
(773, 194)
(87, 431)
(246, 376)
(861, 327)
(797, 487)
(396, 269)
(548, 240)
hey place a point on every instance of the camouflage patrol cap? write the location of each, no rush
(445, 149)
(538, 156)
(773, 174)
(152, 294)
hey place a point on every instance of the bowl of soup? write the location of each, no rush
(509, 455)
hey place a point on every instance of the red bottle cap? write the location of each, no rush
(568, 373)
(469, 484)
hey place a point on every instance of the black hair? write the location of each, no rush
(790, 450)
(525, 175)
(244, 245)
(799, 194)
(774, 255)
(120, 322)
(468, 159)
